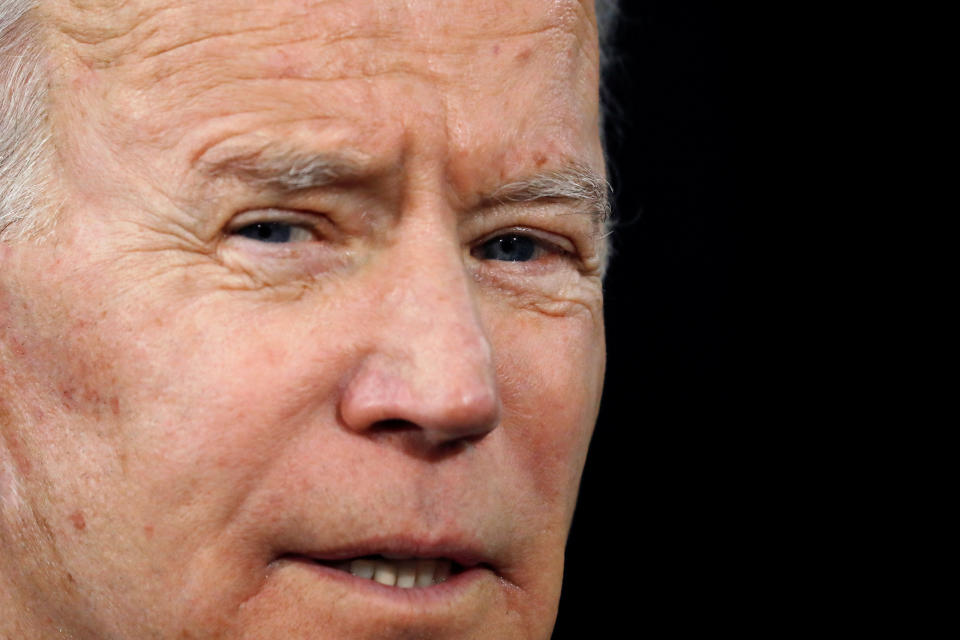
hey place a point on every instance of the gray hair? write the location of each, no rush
(24, 129)
(607, 13)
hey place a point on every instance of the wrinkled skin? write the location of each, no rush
(183, 406)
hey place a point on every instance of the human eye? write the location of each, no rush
(517, 245)
(272, 226)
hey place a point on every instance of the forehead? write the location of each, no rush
(97, 21)
(524, 69)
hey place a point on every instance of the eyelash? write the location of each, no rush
(542, 247)
(525, 244)
(273, 218)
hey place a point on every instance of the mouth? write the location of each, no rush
(401, 568)
(403, 572)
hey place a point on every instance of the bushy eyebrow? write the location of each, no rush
(573, 182)
(285, 171)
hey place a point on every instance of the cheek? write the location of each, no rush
(57, 378)
(551, 375)
(226, 401)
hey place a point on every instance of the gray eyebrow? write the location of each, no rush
(572, 182)
(284, 170)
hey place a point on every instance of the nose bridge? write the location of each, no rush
(432, 363)
(432, 322)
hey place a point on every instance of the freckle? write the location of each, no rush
(79, 522)
(540, 159)
(115, 405)
(20, 460)
(524, 55)
(68, 398)
(148, 530)
(70, 577)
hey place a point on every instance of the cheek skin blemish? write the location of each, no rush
(14, 446)
(115, 405)
(18, 349)
(79, 522)
(68, 401)
(148, 531)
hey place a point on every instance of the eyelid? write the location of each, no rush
(285, 216)
(559, 243)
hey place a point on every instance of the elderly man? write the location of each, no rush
(301, 315)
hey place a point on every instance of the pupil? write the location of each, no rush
(267, 232)
(512, 249)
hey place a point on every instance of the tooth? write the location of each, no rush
(425, 569)
(386, 573)
(407, 574)
(363, 568)
(442, 572)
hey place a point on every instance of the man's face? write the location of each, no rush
(324, 285)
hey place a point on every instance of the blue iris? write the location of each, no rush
(267, 232)
(509, 248)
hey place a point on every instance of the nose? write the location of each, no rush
(428, 376)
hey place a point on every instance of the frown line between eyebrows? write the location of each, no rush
(292, 172)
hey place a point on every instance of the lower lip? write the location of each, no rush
(456, 586)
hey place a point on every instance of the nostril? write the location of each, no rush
(422, 442)
(393, 426)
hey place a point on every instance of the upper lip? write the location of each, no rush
(463, 553)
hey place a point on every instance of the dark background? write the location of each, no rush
(650, 545)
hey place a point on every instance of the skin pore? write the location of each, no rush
(324, 282)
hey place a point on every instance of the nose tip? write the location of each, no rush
(434, 399)
(468, 415)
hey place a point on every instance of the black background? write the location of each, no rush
(649, 545)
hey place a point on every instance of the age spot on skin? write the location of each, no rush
(79, 522)
(20, 461)
(18, 349)
(148, 531)
(68, 401)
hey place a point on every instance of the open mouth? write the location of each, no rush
(404, 572)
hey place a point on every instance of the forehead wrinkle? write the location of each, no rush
(143, 29)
